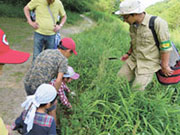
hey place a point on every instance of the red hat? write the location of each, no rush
(69, 44)
(9, 56)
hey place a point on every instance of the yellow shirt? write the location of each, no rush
(3, 130)
(146, 55)
(43, 17)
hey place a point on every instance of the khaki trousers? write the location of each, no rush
(140, 81)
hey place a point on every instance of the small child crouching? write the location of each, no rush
(67, 78)
(34, 120)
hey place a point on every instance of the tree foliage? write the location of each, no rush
(15, 2)
(78, 5)
(168, 10)
(72, 5)
(104, 5)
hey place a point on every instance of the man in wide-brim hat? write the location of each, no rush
(143, 58)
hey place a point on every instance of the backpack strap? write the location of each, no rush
(151, 26)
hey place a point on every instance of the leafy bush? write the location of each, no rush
(73, 17)
(169, 10)
(175, 37)
(72, 5)
(15, 2)
(104, 5)
(77, 5)
(109, 6)
(8, 10)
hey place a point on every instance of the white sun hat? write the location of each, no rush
(70, 73)
(130, 7)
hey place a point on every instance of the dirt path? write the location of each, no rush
(12, 92)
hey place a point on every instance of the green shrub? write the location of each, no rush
(168, 10)
(8, 10)
(104, 5)
(175, 37)
(73, 17)
(77, 5)
(14, 2)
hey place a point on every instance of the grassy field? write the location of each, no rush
(105, 104)
(16, 29)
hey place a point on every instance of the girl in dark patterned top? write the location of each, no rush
(34, 120)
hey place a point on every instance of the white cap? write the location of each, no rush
(130, 7)
(70, 73)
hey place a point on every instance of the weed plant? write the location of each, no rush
(106, 104)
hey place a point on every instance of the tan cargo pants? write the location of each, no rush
(140, 81)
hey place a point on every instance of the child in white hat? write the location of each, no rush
(67, 78)
(34, 120)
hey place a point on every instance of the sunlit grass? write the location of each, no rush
(106, 104)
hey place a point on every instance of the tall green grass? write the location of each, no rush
(105, 104)
(73, 18)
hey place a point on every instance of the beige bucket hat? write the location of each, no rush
(130, 7)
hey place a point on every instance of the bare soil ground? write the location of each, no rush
(12, 92)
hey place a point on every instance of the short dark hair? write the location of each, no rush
(66, 77)
(52, 102)
(60, 46)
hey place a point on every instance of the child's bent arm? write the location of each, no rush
(67, 89)
(58, 81)
(64, 99)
